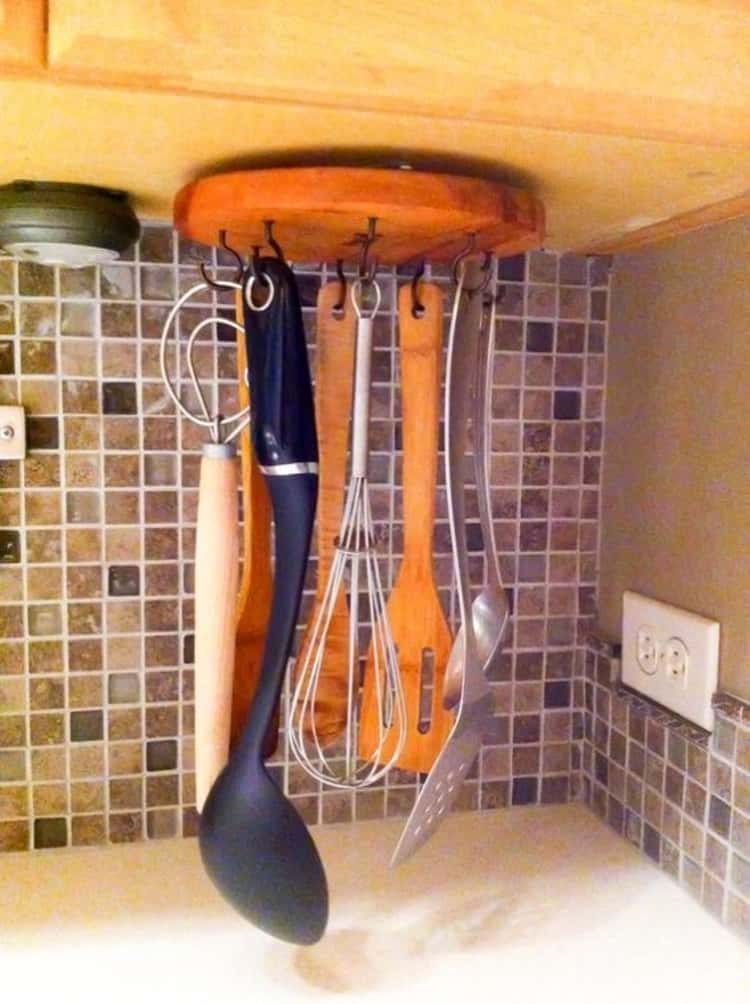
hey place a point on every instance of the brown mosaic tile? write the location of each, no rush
(49, 799)
(11, 585)
(85, 655)
(78, 358)
(82, 432)
(85, 691)
(46, 692)
(125, 827)
(88, 831)
(39, 396)
(122, 507)
(125, 758)
(122, 544)
(118, 320)
(87, 796)
(46, 729)
(14, 835)
(12, 765)
(87, 761)
(10, 508)
(121, 433)
(123, 653)
(38, 356)
(83, 544)
(123, 617)
(80, 397)
(161, 824)
(43, 508)
(119, 359)
(121, 471)
(162, 650)
(84, 618)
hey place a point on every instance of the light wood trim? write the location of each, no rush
(706, 216)
(674, 71)
(22, 34)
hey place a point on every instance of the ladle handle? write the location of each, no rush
(286, 447)
(216, 575)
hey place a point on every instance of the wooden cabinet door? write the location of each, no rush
(675, 70)
(22, 31)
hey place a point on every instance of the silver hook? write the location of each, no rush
(367, 269)
(217, 283)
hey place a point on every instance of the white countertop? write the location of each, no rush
(538, 903)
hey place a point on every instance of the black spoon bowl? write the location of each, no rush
(260, 856)
(255, 846)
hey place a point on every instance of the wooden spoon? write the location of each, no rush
(256, 583)
(420, 630)
(333, 403)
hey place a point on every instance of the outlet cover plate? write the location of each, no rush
(12, 432)
(689, 695)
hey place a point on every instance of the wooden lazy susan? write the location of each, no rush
(321, 214)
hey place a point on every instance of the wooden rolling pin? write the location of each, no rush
(333, 404)
(420, 630)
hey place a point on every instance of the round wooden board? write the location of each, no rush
(317, 213)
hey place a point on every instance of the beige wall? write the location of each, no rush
(676, 504)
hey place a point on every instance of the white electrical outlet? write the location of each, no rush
(671, 656)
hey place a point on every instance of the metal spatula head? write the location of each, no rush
(443, 784)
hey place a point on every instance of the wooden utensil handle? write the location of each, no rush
(216, 575)
(333, 402)
(420, 354)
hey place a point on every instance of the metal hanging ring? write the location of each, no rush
(267, 281)
(417, 307)
(356, 297)
(218, 283)
(338, 307)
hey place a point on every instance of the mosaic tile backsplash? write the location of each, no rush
(680, 795)
(97, 537)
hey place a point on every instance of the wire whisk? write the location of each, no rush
(355, 565)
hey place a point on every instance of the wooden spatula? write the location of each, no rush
(420, 630)
(254, 597)
(333, 403)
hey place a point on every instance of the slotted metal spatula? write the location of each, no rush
(476, 703)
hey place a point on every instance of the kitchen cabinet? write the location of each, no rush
(624, 69)
(22, 31)
(630, 120)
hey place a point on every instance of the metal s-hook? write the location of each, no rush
(217, 283)
(338, 307)
(486, 267)
(271, 240)
(367, 268)
(463, 255)
(417, 307)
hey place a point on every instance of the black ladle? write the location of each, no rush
(255, 846)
